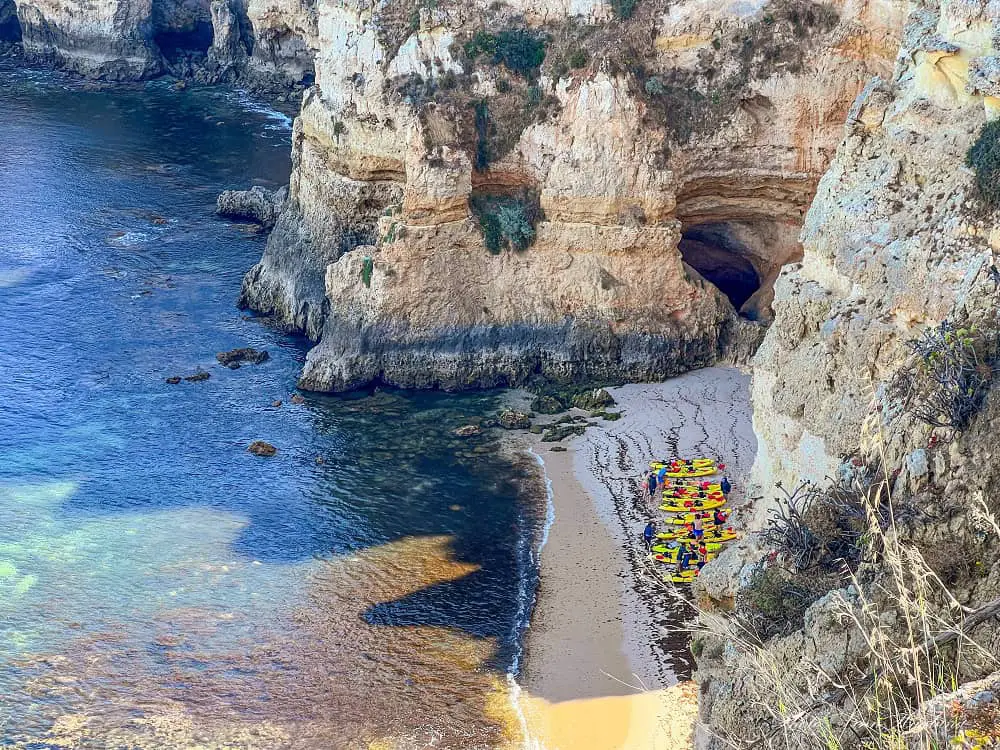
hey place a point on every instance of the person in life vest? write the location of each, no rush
(719, 517)
(648, 533)
(651, 484)
(726, 486)
(683, 557)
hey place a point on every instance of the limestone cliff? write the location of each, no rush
(898, 241)
(481, 193)
(259, 43)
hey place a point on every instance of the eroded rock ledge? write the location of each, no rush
(430, 130)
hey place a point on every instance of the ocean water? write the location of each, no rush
(160, 586)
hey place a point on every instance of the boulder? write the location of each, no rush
(174, 380)
(559, 432)
(244, 356)
(256, 204)
(547, 405)
(198, 376)
(468, 430)
(298, 399)
(261, 448)
(509, 419)
(593, 400)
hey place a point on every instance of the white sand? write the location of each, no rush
(595, 631)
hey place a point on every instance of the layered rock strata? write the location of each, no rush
(430, 127)
(897, 241)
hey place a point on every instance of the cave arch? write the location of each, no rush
(718, 255)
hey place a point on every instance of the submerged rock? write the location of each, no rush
(234, 358)
(257, 204)
(468, 430)
(297, 398)
(261, 448)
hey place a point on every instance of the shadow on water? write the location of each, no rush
(157, 582)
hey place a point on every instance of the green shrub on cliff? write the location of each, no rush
(507, 222)
(984, 157)
(520, 50)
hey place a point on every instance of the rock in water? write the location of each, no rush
(261, 448)
(513, 420)
(198, 376)
(256, 204)
(236, 357)
(298, 398)
(174, 380)
(468, 430)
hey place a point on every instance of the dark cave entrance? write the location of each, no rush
(180, 44)
(723, 260)
(10, 25)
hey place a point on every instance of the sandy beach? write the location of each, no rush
(599, 653)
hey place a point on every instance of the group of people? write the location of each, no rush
(692, 551)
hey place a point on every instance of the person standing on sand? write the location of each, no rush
(651, 486)
(647, 535)
(726, 486)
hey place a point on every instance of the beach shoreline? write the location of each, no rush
(600, 634)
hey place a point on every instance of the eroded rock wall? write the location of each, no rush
(897, 241)
(264, 44)
(628, 134)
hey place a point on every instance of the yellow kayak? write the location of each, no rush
(693, 487)
(696, 506)
(695, 461)
(685, 518)
(686, 577)
(692, 495)
(662, 549)
(715, 535)
(698, 472)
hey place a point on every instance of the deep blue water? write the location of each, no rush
(133, 523)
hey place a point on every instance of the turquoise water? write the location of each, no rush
(160, 586)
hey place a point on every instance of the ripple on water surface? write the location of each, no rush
(159, 586)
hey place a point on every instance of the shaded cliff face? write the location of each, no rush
(261, 43)
(897, 242)
(639, 159)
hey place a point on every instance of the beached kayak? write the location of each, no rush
(680, 462)
(685, 535)
(697, 472)
(679, 505)
(662, 549)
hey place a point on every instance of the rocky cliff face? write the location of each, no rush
(266, 44)
(483, 193)
(898, 241)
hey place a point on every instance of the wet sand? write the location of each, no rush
(601, 633)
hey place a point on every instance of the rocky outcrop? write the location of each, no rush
(426, 139)
(264, 44)
(898, 241)
(257, 204)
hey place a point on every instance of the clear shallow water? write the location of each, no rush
(159, 586)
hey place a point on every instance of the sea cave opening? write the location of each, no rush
(177, 44)
(721, 258)
(10, 25)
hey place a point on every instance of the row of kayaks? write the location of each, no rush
(684, 501)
